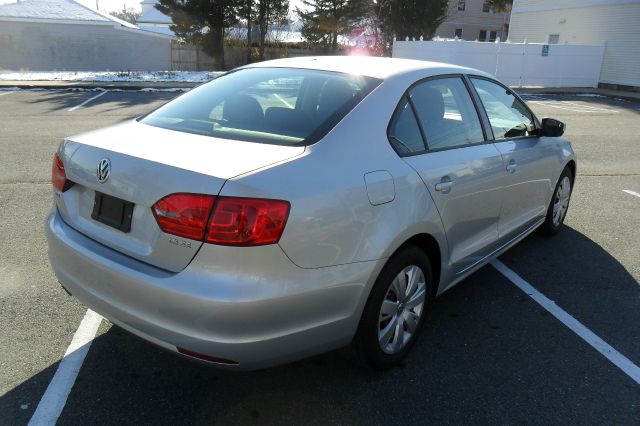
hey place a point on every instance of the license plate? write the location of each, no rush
(112, 211)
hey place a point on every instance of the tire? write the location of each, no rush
(553, 224)
(407, 262)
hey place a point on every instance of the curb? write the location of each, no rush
(69, 85)
(608, 93)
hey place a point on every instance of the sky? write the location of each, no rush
(115, 5)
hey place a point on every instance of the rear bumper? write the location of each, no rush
(249, 305)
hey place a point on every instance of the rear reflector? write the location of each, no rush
(247, 221)
(185, 215)
(206, 357)
(234, 221)
(58, 175)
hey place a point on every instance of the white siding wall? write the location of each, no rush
(516, 64)
(617, 24)
(78, 47)
(471, 20)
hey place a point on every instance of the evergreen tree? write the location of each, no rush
(325, 20)
(410, 18)
(202, 22)
(270, 12)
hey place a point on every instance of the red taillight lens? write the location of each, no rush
(58, 176)
(247, 221)
(234, 222)
(185, 215)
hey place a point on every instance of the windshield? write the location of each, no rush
(284, 106)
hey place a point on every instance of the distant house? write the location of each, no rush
(473, 20)
(615, 23)
(152, 19)
(65, 35)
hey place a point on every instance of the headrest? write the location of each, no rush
(288, 121)
(429, 103)
(244, 111)
(334, 93)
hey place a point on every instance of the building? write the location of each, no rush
(50, 35)
(614, 23)
(152, 19)
(473, 20)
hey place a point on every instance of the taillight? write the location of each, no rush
(234, 221)
(185, 215)
(58, 176)
(247, 221)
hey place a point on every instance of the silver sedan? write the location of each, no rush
(294, 206)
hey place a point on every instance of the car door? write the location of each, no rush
(461, 170)
(527, 158)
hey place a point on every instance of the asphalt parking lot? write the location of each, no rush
(490, 354)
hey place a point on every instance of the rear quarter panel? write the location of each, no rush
(332, 221)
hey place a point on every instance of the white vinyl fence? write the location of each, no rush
(516, 64)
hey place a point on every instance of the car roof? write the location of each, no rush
(371, 66)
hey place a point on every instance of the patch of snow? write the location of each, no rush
(590, 95)
(93, 89)
(112, 76)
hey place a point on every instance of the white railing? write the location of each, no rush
(516, 64)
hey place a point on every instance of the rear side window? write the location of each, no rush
(508, 116)
(404, 133)
(282, 106)
(446, 113)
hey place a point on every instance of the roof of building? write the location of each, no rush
(59, 10)
(372, 66)
(154, 16)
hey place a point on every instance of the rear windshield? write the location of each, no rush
(283, 106)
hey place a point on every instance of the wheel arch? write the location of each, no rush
(430, 246)
(572, 166)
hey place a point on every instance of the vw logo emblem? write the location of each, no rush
(104, 170)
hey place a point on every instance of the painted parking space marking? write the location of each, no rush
(55, 397)
(619, 360)
(566, 105)
(628, 191)
(87, 101)
(281, 99)
(2, 93)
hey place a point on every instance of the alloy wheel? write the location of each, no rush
(401, 310)
(561, 201)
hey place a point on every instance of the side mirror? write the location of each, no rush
(551, 127)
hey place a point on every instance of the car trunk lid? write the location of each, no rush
(146, 164)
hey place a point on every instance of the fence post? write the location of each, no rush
(561, 62)
(524, 63)
(603, 52)
(498, 58)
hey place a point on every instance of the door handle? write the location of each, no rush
(444, 186)
(512, 166)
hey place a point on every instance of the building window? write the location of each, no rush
(458, 32)
(483, 35)
(554, 39)
(462, 5)
(493, 35)
(485, 7)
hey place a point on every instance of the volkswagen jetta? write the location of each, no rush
(293, 206)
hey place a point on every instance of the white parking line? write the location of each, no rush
(631, 192)
(87, 101)
(54, 398)
(619, 360)
(4, 93)
(566, 105)
(281, 99)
